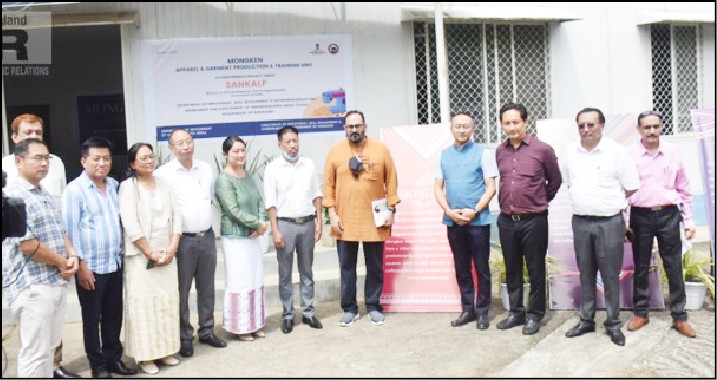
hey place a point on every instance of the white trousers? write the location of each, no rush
(39, 312)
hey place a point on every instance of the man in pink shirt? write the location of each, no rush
(656, 209)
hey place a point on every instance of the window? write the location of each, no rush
(488, 65)
(676, 75)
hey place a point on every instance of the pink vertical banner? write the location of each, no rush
(418, 264)
(564, 286)
(703, 122)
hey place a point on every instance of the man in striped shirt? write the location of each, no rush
(91, 215)
(36, 267)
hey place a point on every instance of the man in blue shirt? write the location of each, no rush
(465, 183)
(91, 215)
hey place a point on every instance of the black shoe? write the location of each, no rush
(287, 326)
(186, 350)
(101, 373)
(581, 328)
(213, 341)
(482, 323)
(465, 318)
(617, 337)
(531, 327)
(63, 373)
(120, 368)
(513, 320)
(312, 321)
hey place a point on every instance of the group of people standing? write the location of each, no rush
(137, 247)
(603, 179)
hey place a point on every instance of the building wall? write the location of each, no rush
(600, 60)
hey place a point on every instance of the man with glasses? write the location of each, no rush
(600, 175)
(529, 180)
(193, 184)
(664, 199)
(26, 126)
(90, 211)
(37, 266)
(357, 171)
(464, 185)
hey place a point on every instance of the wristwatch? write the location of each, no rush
(393, 209)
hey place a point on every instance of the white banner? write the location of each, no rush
(247, 86)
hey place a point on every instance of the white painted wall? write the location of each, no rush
(601, 60)
(604, 60)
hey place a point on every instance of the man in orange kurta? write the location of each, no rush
(357, 171)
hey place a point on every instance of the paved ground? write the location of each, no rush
(419, 344)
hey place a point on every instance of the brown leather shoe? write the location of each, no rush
(636, 322)
(684, 328)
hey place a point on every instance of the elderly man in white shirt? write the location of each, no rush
(293, 201)
(192, 182)
(600, 175)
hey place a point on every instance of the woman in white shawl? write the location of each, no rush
(152, 226)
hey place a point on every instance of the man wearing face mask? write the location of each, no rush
(293, 201)
(357, 171)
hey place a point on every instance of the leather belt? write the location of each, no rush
(653, 208)
(197, 234)
(521, 217)
(299, 220)
(596, 217)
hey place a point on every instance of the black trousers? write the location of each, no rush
(373, 257)
(472, 244)
(102, 319)
(525, 238)
(665, 225)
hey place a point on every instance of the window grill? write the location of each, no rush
(488, 65)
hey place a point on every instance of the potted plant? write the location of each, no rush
(497, 264)
(695, 268)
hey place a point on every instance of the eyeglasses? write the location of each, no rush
(145, 159)
(183, 143)
(38, 158)
(354, 126)
(587, 125)
(648, 127)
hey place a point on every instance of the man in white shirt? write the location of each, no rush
(600, 175)
(293, 201)
(192, 182)
(23, 127)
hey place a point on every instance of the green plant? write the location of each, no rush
(162, 158)
(695, 268)
(497, 264)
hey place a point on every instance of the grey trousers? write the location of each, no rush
(196, 259)
(599, 244)
(299, 237)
